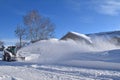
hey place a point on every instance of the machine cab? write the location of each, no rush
(12, 49)
(10, 53)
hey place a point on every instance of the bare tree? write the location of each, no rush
(20, 32)
(1, 43)
(38, 27)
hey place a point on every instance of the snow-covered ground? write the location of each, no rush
(24, 71)
(64, 60)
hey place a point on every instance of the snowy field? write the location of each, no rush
(64, 60)
(24, 71)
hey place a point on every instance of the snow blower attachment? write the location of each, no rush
(10, 54)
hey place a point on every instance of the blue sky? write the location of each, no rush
(83, 16)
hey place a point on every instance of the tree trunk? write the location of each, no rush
(20, 42)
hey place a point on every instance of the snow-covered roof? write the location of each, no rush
(77, 37)
(83, 36)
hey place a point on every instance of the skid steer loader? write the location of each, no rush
(10, 54)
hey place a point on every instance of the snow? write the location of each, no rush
(52, 72)
(55, 59)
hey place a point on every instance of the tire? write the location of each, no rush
(8, 58)
(4, 58)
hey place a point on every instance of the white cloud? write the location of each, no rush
(109, 7)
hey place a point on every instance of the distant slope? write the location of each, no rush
(111, 36)
(109, 33)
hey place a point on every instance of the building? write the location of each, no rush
(77, 37)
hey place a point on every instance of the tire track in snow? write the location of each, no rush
(81, 72)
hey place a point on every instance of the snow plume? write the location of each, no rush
(103, 44)
(49, 51)
(53, 50)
